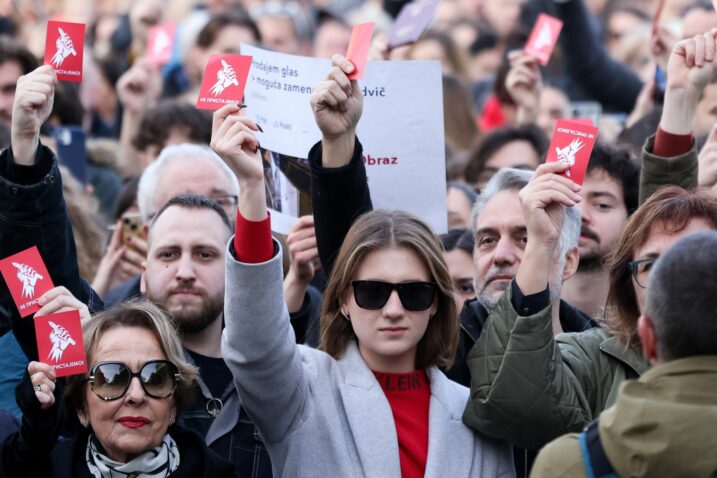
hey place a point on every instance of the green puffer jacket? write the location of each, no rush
(529, 387)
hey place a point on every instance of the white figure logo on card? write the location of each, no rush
(64, 47)
(567, 154)
(226, 76)
(28, 277)
(545, 37)
(60, 339)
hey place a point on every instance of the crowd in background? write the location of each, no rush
(545, 331)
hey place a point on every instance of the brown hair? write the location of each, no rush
(135, 313)
(671, 208)
(374, 231)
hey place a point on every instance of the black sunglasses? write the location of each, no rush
(110, 380)
(373, 294)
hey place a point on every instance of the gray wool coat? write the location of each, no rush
(322, 417)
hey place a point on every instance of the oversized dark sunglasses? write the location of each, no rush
(110, 380)
(373, 294)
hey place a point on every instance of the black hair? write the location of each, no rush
(158, 121)
(208, 35)
(12, 50)
(458, 239)
(194, 201)
(617, 164)
(497, 139)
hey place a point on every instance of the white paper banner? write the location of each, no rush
(401, 128)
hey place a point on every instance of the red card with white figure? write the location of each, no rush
(359, 46)
(64, 46)
(59, 342)
(27, 278)
(543, 38)
(161, 43)
(224, 81)
(572, 144)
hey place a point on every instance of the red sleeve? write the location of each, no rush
(668, 145)
(252, 240)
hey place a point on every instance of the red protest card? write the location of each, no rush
(64, 45)
(358, 48)
(572, 144)
(27, 278)
(160, 44)
(59, 342)
(543, 38)
(224, 81)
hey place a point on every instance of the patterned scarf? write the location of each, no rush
(158, 462)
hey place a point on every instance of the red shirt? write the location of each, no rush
(409, 395)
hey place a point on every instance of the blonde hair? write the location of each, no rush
(134, 313)
(377, 230)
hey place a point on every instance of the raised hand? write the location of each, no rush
(234, 141)
(337, 103)
(34, 96)
(43, 379)
(139, 87)
(303, 255)
(544, 201)
(690, 69)
(59, 299)
(524, 84)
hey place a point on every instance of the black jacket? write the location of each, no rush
(38, 451)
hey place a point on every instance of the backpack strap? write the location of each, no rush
(595, 460)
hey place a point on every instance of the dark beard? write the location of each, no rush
(590, 262)
(192, 322)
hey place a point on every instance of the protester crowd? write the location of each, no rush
(556, 329)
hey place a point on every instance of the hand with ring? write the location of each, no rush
(43, 379)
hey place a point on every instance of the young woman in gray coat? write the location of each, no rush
(372, 401)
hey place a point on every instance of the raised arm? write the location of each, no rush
(339, 188)
(258, 343)
(31, 201)
(670, 157)
(521, 389)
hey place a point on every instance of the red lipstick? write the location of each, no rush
(133, 422)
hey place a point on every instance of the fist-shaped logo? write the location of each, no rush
(60, 339)
(567, 154)
(226, 76)
(28, 277)
(64, 47)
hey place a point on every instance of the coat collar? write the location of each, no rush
(627, 355)
(372, 425)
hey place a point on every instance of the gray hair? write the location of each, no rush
(514, 180)
(681, 302)
(151, 177)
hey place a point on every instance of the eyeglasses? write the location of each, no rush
(373, 294)
(641, 270)
(110, 380)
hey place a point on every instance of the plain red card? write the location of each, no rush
(224, 81)
(160, 44)
(543, 38)
(358, 48)
(59, 342)
(64, 46)
(27, 278)
(572, 144)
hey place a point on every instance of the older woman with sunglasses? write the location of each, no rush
(122, 412)
(372, 401)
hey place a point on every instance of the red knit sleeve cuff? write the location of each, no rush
(252, 240)
(668, 145)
